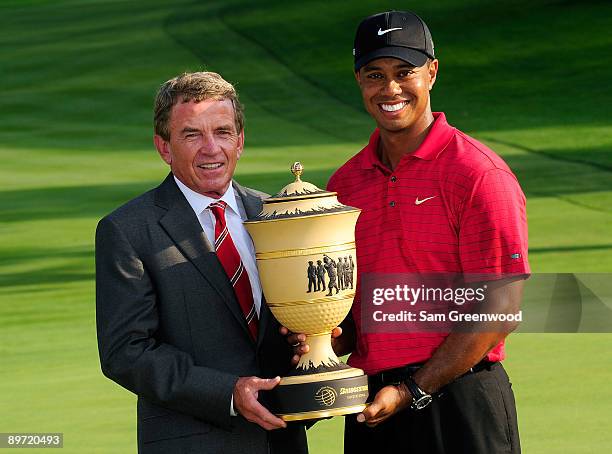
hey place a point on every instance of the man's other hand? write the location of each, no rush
(246, 404)
(387, 402)
(298, 342)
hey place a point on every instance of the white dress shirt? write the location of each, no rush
(235, 214)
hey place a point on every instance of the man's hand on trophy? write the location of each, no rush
(388, 401)
(246, 404)
(298, 342)
(345, 344)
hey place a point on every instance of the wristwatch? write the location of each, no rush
(420, 399)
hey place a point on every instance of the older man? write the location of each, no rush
(179, 305)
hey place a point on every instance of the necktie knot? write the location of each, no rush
(218, 208)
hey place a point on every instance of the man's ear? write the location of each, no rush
(240, 144)
(163, 148)
(358, 78)
(433, 72)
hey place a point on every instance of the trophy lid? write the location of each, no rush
(300, 199)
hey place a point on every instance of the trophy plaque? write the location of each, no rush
(305, 249)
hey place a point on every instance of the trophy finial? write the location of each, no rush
(297, 168)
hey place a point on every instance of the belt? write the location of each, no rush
(399, 374)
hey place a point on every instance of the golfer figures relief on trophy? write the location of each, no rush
(305, 248)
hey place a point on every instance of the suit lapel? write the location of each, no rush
(251, 200)
(252, 206)
(264, 319)
(182, 225)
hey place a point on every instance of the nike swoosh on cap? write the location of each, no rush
(382, 32)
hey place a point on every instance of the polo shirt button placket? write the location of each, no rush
(393, 179)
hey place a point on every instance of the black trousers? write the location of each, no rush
(475, 414)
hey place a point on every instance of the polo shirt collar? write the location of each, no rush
(200, 202)
(369, 158)
(436, 141)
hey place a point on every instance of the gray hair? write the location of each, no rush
(196, 87)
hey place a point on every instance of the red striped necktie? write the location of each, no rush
(234, 268)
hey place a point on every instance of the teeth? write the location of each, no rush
(210, 166)
(392, 107)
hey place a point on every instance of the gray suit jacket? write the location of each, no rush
(171, 330)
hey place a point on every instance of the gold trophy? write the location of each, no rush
(305, 248)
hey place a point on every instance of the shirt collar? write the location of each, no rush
(436, 141)
(200, 202)
(370, 158)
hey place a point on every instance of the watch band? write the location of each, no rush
(420, 399)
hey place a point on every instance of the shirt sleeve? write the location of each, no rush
(232, 410)
(493, 228)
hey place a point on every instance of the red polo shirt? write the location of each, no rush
(473, 221)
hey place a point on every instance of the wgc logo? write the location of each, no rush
(326, 396)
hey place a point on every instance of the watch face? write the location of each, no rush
(422, 402)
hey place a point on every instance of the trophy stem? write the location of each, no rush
(320, 355)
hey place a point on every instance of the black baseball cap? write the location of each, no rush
(398, 34)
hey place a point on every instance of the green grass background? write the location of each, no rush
(529, 78)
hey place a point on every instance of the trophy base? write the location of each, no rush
(318, 395)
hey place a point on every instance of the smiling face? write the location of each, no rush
(396, 94)
(204, 145)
